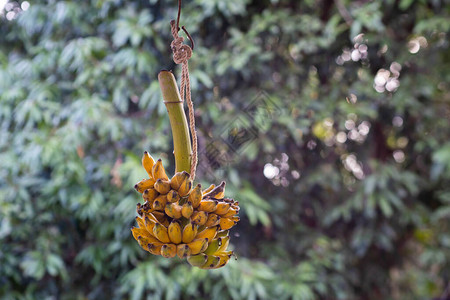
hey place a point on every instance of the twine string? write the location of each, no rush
(181, 54)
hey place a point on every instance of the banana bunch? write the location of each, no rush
(179, 220)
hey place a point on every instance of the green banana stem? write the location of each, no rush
(178, 122)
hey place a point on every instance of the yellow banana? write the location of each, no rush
(173, 196)
(139, 232)
(199, 217)
(140, 222)
(226, 223)
(160, 232)
(198, 245)
(155, 248)
(144, 184)
(162, 186)
(168, 250)
(223, 233)
(173, 210)
(161, 217)
(224, 259)
(212, 220)
(187, 210)
(197, 260)
(229, 253)
(208, 205)
(189, 233)
(150, 194)
(211, 262)
(158, 171)
(231, 212)
(160, 203)
(144, 241)
(209, 189)
(224, 244)
(185, 187)
(209, 233)
(147, 163)
(196, 196)
(150, 223)
(183, 250)
(174, 232)
(217, 193)
(222, 208)
(177, 179)
(152, 217)
(235, 218)
(213, 246)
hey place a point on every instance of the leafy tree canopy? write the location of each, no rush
(329, 120)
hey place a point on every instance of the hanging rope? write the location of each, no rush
(181, 55)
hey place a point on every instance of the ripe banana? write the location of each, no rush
(226, 223)
(198, 245)
(222, 208)
(162, 186)
(168, 250)
(161, 217)
(144, 241)
(150, 223)
(173, 196)
(185, 187)
(225, 241)
(209, 189)
(158, 171)
(223, 233)
(189, 233)
(211, 262)
(224, 259)
(208, 205)
(174, 232)
(197, 260)
(173, 210)
(160, 232)
(196, 196)
(213, 246)
(150, 194)
(199, 217)
(209, 233)
(144, 184)
(141, 222)
(212, 220)
(183, 250)
(217, 192)
(231, 212)
(177, 179)
(160, 203)
(187, 210)
(147, 163)
(155, 248)
(139, 232)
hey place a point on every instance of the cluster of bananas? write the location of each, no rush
(178, 220)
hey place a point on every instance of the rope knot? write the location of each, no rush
(181, 52)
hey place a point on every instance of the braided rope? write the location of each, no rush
(181, 54)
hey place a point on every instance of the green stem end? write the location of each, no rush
(178, 122)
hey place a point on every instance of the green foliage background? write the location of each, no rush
(357, 205)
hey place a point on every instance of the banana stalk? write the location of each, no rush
(178, 122)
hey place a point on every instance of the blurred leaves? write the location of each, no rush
(342, 180)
